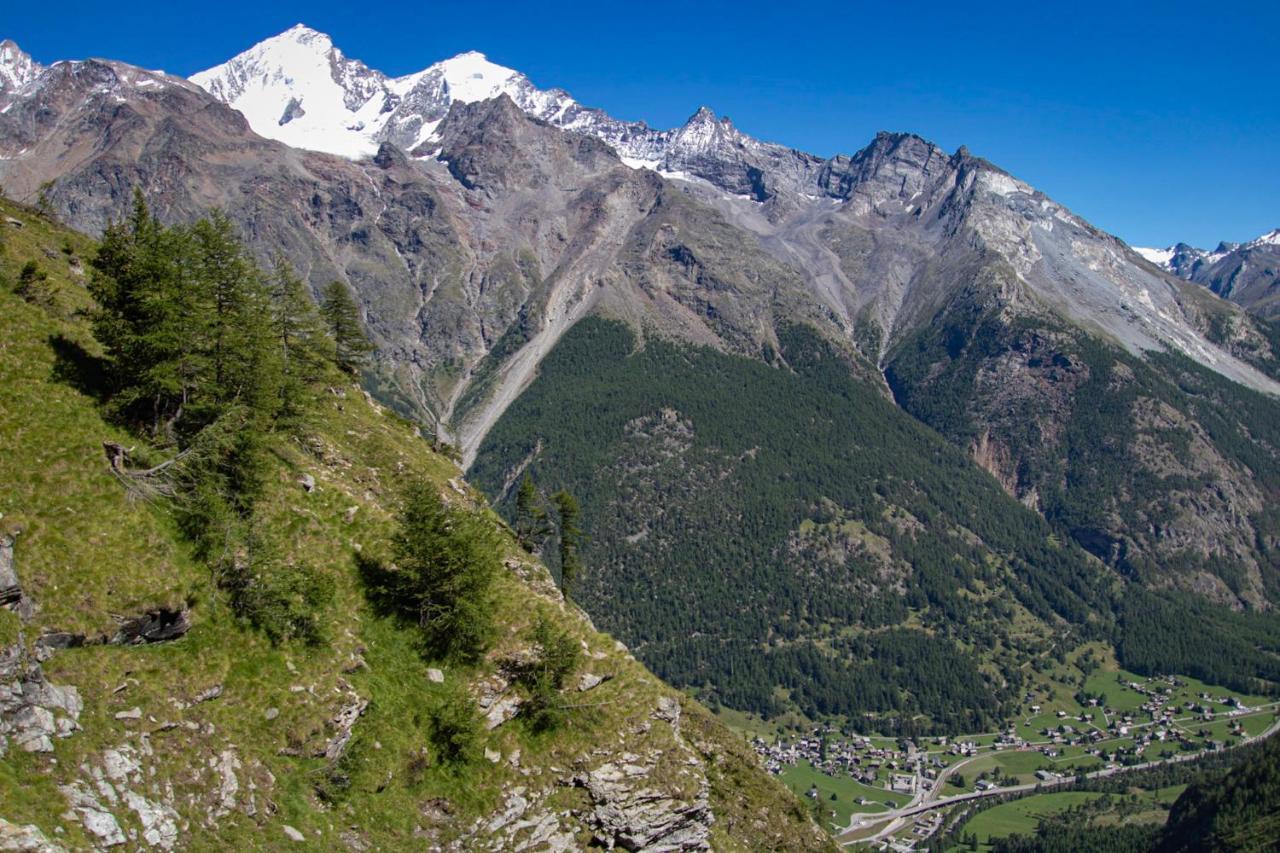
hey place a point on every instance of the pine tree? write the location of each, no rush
(570, 539)
(343, 318)
(559, 653)
(532, 524)
(237, 326)
(148, 319)
(446, 560)
(301, 339)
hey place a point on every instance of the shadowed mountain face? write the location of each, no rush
(480, 220)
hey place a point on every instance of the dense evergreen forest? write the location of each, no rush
(1097, 484)
(757, 531)
(781, 536)
(1237, 809)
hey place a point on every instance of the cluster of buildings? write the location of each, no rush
(834, 753)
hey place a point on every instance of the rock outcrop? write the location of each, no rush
(10, 589)
(33, 712)
(26, 839)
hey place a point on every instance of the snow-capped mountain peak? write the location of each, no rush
(1271, 238)
(472, 77)
(1159, 257)
(297, 87)
(17, 69)
(1187, 261)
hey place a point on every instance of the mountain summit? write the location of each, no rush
(17, 69)
(300, 89)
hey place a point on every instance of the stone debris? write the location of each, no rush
(207, 695)
(669, 710)
(307, 482)
(350, 515)
(225, 766)
(134, 713)
(154, 626)
(26, 839)
(627, 814)
(159, 821)
(502, 711)
(121, 764)
(590, 681)
(516, 806)
(435, 675)
(343, 723)
(32, 711)
(271, 713)
(492, 755)
(97, 821)
(293, 834)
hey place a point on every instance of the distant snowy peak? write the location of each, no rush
(17, 69)
(1271, 238)
(472, 77)
(1187, 261)
(300, 89)
(1159, 257)
(1183, 260)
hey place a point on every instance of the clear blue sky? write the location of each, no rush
(1156, 121)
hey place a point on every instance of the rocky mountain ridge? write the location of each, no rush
(897, 175)
(1245, 273)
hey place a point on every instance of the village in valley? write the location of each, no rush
(1116, 720)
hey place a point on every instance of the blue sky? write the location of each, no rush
(1157, 122)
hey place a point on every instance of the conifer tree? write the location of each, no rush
(532, 524)
(148, 318)
(301, 340)
(343, 318)
(446, 560)
(237, 326)
(570, 539)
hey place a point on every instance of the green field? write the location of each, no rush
(804, 776)
(1023, 816)
(1022, 764)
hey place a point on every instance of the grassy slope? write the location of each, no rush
(86, 554)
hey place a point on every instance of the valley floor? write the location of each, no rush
(898, 793)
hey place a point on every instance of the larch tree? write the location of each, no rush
(343, 318)
(569, 513)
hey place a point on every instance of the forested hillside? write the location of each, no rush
(1160, 468)
(238, 626)
(780, 536)
(1235, 810)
